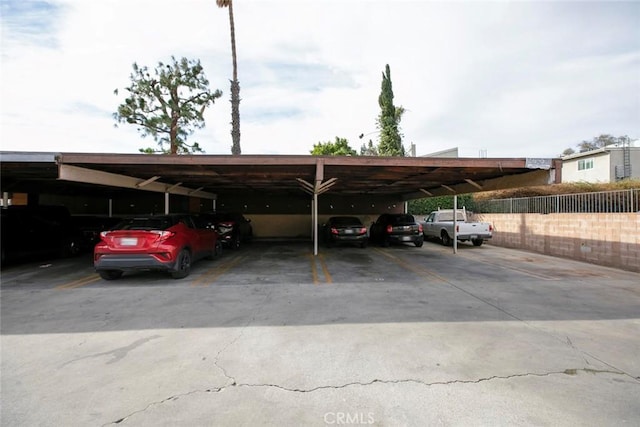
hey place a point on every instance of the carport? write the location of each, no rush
(385, 180)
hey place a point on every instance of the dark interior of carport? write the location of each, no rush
(270, 190)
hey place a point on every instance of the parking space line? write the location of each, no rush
(314, 270)
(79, 282)
(325, 270)
(411, 267)
(516, 269)
(211, 275)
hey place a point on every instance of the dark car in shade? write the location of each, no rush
(234, 229)
(38, 232)
(92, 225)
(344, 230)
(396, 228)
(159, 242)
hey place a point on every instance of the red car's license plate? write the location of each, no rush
(128, 241)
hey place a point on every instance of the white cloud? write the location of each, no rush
(516, 79)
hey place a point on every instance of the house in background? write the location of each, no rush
(607, 164)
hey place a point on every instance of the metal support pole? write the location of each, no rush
(166, 203)
(455, 224)
(110, 208)
(311, 225)
(315, 223)
(5, 200)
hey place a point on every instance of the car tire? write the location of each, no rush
(477, 242)
(110, 274)
(446, 240)
(235, 242)
(183, 265)
(70, 248)
(418, 243)
(216, 251)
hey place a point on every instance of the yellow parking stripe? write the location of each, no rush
(416, 269)
(211, 275)
(325, 270)
(519, 270)
(80, 282)
(314, 269)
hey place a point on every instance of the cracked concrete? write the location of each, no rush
(570, 371)
(444, 342)
(239, 335)
(496, 400)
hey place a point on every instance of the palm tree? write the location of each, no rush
(235, 85)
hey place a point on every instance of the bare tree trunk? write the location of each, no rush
(235, 117)
(173, 131)
(235, 90)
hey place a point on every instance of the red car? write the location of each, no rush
(160, 242)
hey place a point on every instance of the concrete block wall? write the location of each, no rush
(293, 226)
(609, 239)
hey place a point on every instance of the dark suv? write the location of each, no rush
(396, 228)
(233, 228)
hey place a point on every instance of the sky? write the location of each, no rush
(497, 79)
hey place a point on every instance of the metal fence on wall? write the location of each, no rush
(599, 202)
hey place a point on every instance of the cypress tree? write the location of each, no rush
(388, 120)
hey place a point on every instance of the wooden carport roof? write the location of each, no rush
(204, 175)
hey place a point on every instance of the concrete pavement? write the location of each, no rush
(270, 335)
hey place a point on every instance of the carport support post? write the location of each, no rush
(455, 224)
(315, 223)
(166, 203)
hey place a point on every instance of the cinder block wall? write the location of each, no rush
(292, 226)
(610, 239)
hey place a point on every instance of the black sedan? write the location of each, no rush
(396, 228)
(344, 229)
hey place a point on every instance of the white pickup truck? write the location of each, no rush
(439, 225)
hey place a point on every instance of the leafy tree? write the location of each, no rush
(368, 150)
(597, 142)
(338, 148)
(423, 207)
(167, 104)
(235, 84)
(389, 119)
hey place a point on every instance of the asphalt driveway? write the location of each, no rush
(270, 335)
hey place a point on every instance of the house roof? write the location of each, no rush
(597, 152)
